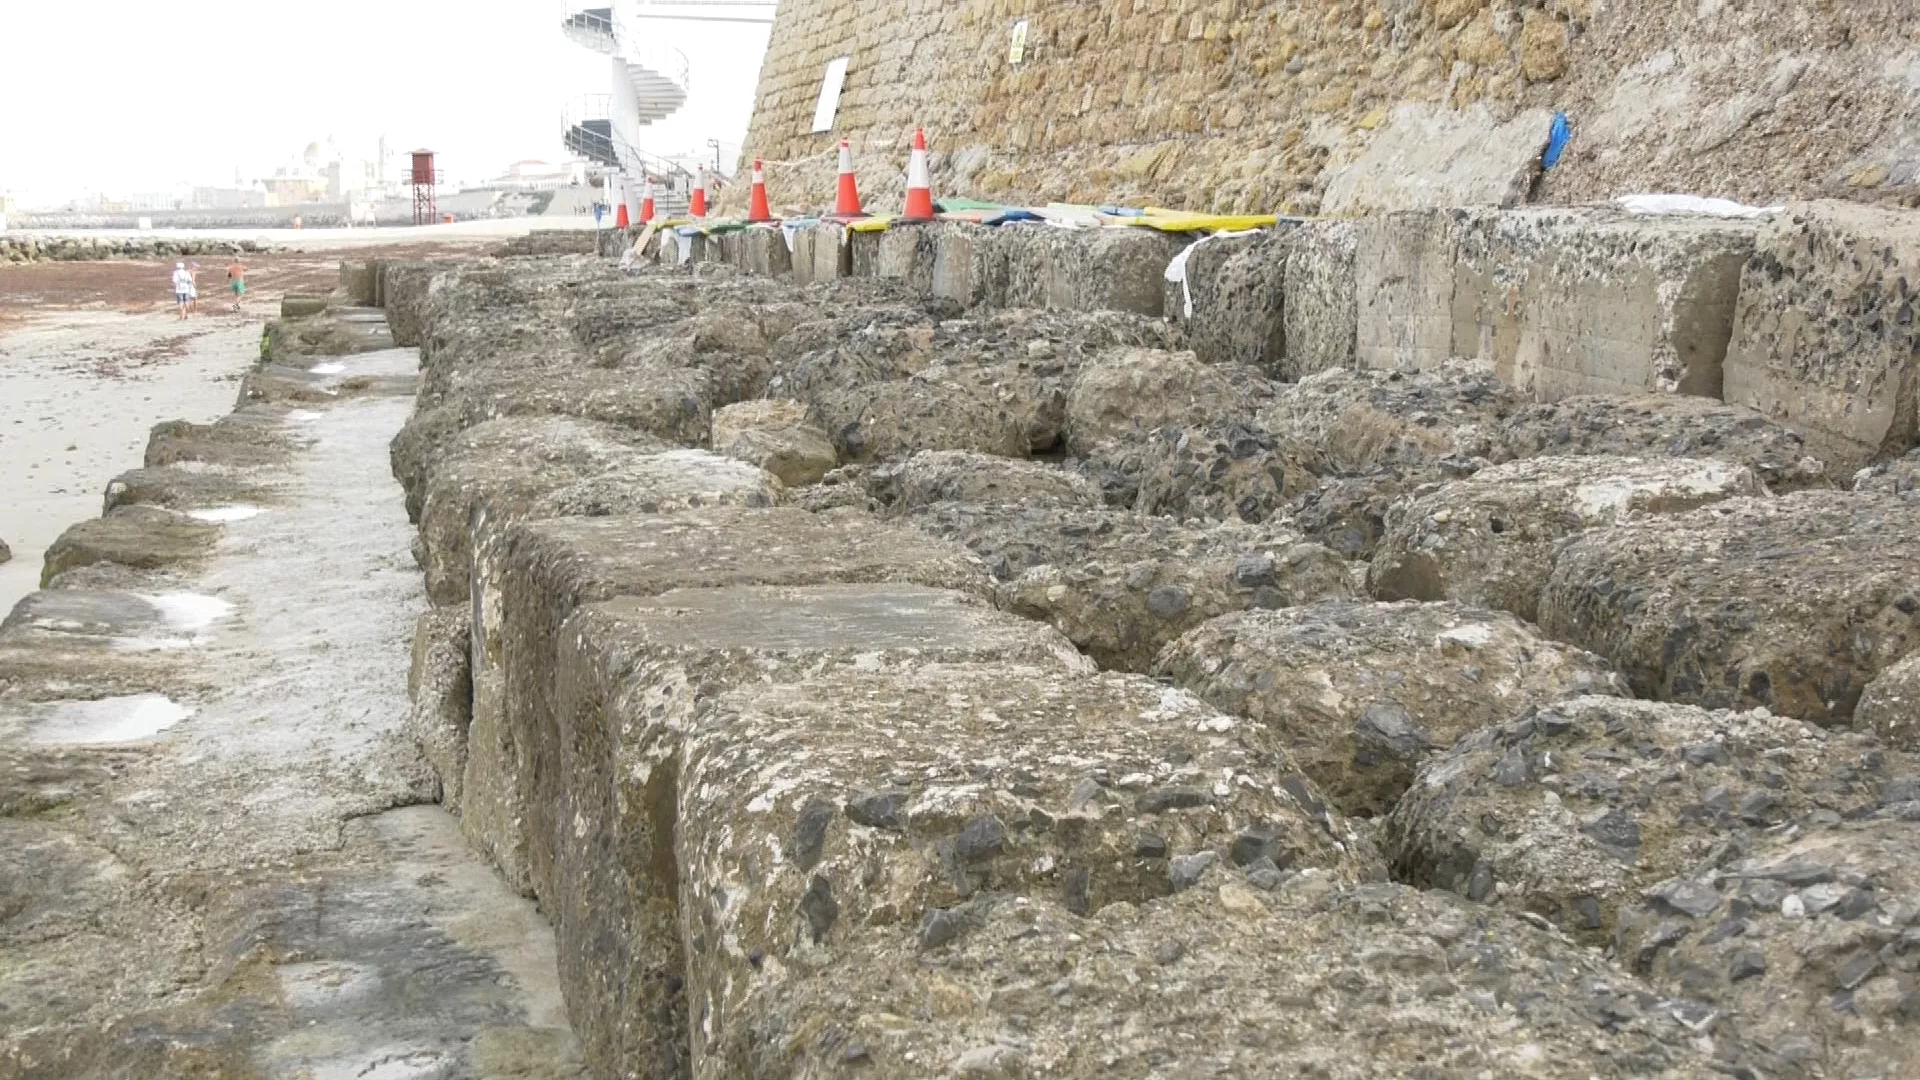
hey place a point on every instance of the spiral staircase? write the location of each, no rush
(649, 84)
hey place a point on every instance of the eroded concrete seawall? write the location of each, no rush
(1057, 691)
(1806, 316)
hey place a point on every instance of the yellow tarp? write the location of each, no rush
(870, 224)
(1181, 221)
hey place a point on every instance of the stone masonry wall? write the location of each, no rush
(1246, 105)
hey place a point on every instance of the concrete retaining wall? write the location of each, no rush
(1815, 308)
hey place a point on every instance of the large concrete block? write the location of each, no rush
(1237, 289)
(765, 252)
(1403, 275)
(529, 575)
(863, 253)
(970, 263)
(821, 837)
(655, 484)
(1793, 603)
(1319, 308)
(1111, 269)
(906, 255)
(1825, 340)
(635, 676)
(1570, 302)
(832, 255)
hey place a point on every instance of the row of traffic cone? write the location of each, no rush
(846, 201)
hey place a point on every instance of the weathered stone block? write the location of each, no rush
(440, 690)
(1105, 269)
(1489, 539)
(508, 465)
(633, 678)
(906, 255)
(1238, 289)
(1319, 310)
(863, 253)
(1890, 706)
(1403, 273)
(1362, 694)
(1539, 815)
(1594, 301)
(764, 251)
(528, 577)
(139, 537)
(832, 254)
(936, 476)
(1794, 938)
(1794, 603)
(1826, 340)
(1122, 585)
(774, 435)
(970, 263)
(862, 833)
(1127, 393)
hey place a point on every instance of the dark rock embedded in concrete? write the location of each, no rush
(636, 676)
(1361, 694)
(1825, 338)
(1122, 585)
(1803, 937)
(1489, 539)
(1572, 810)
(1079, 767)
(1794, 603)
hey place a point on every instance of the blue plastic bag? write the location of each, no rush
(1557, 139)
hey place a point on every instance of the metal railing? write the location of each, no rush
(597, 109)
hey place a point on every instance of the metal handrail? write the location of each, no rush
(629, 43)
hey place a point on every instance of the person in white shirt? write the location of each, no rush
(182, 287)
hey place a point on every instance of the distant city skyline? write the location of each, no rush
(111, 113)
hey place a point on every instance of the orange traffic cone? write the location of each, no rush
(646, 203)
(757, 209)
(616, 189)
(698, 208)
(848, 202)
(919, 189)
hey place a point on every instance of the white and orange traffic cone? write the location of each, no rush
(847, 203)
(646, 203)
(919, 188)
(757, 208)
(618, 192)
(698, 208)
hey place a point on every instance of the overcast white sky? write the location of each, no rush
(142, 95)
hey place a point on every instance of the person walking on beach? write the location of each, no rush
(193, 287)
(237, 281)
(182, 287)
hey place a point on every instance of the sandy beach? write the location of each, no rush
(92, 355)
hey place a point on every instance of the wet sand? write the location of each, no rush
(92, 355)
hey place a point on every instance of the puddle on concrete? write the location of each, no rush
(188, 612)
(185, 614)
(326, 984)
(105, 720)
(221, 514)
(327, 369)
(303, 416)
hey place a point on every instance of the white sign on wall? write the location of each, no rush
(830, 94)
(1018, 48)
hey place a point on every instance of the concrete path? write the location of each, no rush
(222, 866)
